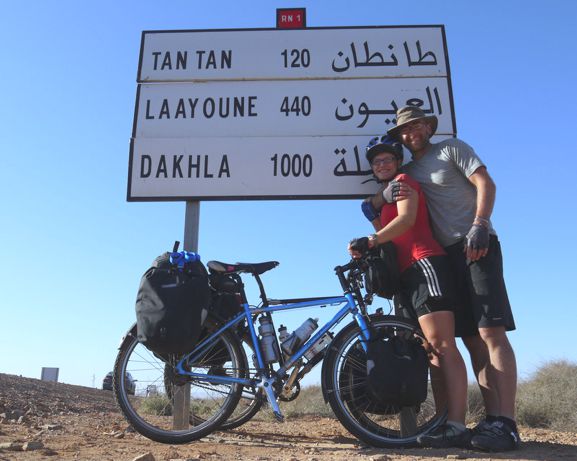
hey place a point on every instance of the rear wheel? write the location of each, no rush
(171, 408)
(251, 399)
(249, 404)
(344, 383)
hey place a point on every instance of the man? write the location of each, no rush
(460, 195)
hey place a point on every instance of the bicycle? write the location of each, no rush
(204, 386)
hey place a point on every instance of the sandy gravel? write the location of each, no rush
(59, 421)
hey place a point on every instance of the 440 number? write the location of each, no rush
(296, 106)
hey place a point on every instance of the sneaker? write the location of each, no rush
(497, 437)
(481, 426)
(445, 436)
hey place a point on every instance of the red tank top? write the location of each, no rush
(418, 242)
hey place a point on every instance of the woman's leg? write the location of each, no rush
(439, 329)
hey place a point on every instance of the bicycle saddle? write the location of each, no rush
(251, 268)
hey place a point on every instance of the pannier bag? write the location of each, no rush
(353, 384)
(226, 290)
(172, 303)
(383, 277)
(397, 371)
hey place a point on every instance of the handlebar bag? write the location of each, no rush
(383, 277)
(171, 305)
(397, 371)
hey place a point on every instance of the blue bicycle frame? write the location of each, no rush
(350, 307)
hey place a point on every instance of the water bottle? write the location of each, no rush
(268, 340)
(183, 258)
(319, 346)
(283, 334)
(299, 336)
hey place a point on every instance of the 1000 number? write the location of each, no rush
(292, 165)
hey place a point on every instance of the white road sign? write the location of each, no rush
(286, 108)
(250, 168)
(259, 114)
(416, 51)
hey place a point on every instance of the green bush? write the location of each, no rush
(157, 405)
(547, 399)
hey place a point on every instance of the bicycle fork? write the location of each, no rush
(267, 384)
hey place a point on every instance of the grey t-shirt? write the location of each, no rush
(451, 198)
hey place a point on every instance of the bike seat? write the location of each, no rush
(251, 268)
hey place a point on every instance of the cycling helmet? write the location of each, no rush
(385, 143)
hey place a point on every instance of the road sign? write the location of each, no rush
(262, 114)
(291, 18)
(206, 168)
(286, 107)
(263, 54)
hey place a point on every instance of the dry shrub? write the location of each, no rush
(475, 404)
(309, 402)
(157, 405)
(548, 398)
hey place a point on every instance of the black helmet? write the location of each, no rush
(385, 143)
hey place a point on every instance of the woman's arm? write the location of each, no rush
(407, 215)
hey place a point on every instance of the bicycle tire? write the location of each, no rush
(248, 406)
(251, 400)
(386, 427)
(151, 413)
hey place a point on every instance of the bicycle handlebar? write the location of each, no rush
(353, 265)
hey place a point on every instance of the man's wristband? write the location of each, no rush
(481, 221)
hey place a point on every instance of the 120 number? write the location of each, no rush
(296, 58)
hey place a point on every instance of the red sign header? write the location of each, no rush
(291, 18)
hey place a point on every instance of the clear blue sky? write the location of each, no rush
(73, 249)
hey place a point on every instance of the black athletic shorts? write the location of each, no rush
(427, 286)
(482, 299)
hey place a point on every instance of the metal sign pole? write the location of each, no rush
(181, 402)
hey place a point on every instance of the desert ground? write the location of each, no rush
(42, 420)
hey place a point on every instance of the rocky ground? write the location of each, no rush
(40, 420)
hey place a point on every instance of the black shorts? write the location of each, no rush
(482, 299)
(427, 286)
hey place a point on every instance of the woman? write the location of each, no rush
(425, 284)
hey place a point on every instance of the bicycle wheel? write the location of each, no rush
(251, 400)
(190, 408)
(344, 385)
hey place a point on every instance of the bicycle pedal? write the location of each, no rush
(279, 416)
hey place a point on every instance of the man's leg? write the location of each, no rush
(481, 363)
(502, 434)
(503, 367)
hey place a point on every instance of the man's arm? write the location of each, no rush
(394, 191)
(478, 237)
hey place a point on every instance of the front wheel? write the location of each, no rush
(344, 384)
(171, 408)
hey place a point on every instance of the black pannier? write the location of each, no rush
(397, 371)
(383, 277)
(226, 297)
(172, 304)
